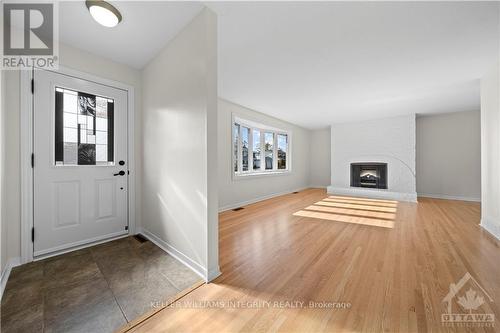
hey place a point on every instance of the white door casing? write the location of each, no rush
(76, 204)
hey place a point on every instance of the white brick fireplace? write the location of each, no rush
(391, 141)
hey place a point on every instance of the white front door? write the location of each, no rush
(80, 162)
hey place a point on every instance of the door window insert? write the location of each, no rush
(84, 128)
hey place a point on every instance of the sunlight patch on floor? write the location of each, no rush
(371, 212)
(352, 212)
(357, 206)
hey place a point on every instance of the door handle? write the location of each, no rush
(121, 173)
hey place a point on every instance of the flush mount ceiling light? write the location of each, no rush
(104, 13)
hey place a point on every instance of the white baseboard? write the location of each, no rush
(188, 262)
(261, 198)
(449, 197)
(373, 193)
(13, 262)
(491, 226)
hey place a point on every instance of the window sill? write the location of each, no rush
(240, 176)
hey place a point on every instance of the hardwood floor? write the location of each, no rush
(390, 263)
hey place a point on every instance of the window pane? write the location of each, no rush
(102, 107)
(70, 153)
(70, 135)
(75, 128)
(236, 135)
(101, 153)
(101, 124)
(245, 132)
(70, 101)
(86, 154)
(70, 120)
(256, 150)
(268, 149)
(101, 137)
(282, 150)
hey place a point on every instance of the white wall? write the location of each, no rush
(12, 194)
(237, 192)
(180, 110)
(320, 158)
(449, 156)
(74, 59)
(390, 140)
(490, 152)
(3, 221)
(490, 146)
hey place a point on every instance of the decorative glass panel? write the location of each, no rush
(70, 120)
(256, 149)
(70, 134)
(101, 137)
(101, 124)
(101, 153)
(268, 149)
(70, 101)
(86, 154)
(282, 150)
(83, 128)
(245, 132)
(70, 153)
(236, 135)
(102, 107)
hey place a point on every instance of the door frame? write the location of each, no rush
(26, 149)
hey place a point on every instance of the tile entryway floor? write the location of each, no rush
(98, 289)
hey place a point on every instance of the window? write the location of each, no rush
(282, 148)
(256, 149)
(244, 148)
(259, 149)
(83, 128)
(236, 139)
(268, 149)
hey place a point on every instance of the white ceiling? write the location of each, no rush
(314, 64)
(146, 28)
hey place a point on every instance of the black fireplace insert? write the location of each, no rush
(369, 175)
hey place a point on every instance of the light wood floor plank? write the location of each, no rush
(394, 278)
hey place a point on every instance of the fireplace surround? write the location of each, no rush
(369, 175)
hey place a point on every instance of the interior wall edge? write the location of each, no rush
(11, 263)
(491, 226)
(171, 250)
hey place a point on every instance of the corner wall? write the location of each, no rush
(449, 156)
(180, 151)
(239, 192)
(490, 146)
(490, 152)
(3, 234)
(320, 159)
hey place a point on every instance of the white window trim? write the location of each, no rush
(262, 172)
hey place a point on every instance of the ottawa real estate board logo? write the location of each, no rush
(30, 35)
(467, 305)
